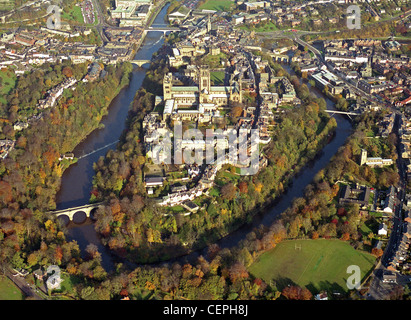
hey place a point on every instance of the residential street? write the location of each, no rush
(379, 290)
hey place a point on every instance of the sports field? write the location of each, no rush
(8, 291)
(218, 5)
(318, 265)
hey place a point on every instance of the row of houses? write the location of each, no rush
(55, 93)
(402, 252)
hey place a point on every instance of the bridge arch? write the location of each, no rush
(93, 212)
(79, 217)
(64, 219)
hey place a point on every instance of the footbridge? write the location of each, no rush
(163, 29)
(71, 212)
(348, 113)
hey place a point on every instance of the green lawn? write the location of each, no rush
(319, 265)
(217, 77)
(73, 15)
(218, 5)
(264, 27)
(177, 209)
(8, 291)
(214, 61)
(214, 192)
(76, 15)
(8, 82)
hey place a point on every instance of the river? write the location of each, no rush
(77, 180)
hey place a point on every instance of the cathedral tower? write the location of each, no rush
(167, 85)
(204, 83)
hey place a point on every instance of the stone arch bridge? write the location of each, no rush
(140, 63)
(71, 212)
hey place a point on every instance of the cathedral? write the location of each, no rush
(199, 102)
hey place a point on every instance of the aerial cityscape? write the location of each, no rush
(205, 150)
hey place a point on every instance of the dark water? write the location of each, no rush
(77, 180)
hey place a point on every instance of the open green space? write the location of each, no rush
(73, 15)
(177, 209)
(214, 61)
(218, 5)
(7, 83)
(76, 15)
(262, 27)
(8, 291)
(217, 77)
(318, 265)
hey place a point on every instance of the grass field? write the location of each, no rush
(261, 28)
(217, 77)
(8, 82)
(218, 5)
(74, 15)
(319, 265)
(8, 291)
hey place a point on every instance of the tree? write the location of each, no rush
(377, 252)
(238, 272)
(228, 191)
(243, 187)
(68, 72)
(92, 251)
(296, 293)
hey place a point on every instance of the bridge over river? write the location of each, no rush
(87, 209)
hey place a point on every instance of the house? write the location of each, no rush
(389, 277)
(39, 274)
(382, 229)
(154, 181)
(389, 202)
(67, 156)
(190, 206)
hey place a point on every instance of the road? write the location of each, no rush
(26, 288)
(379, 290)
(100, 20)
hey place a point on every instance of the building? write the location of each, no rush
(125, 9)
(389, 201)
(382, 229)
(324, 79)
(359, 195)
(374, 161)
(200, 100)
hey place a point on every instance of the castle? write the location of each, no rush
(198, 102)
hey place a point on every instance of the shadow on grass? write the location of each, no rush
(332, 288)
